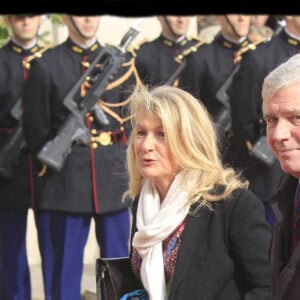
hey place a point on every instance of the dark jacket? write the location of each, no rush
(208, 68)
(224, 253)
(93, 177)
(17, 191)
(155, 60)
(285, 274)
(206, 72)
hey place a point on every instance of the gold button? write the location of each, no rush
(105, 138)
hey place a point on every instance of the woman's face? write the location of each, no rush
(154, 157)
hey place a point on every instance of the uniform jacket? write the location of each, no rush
(285, 275)
(245, 97)
(155, 61)
(223, 253)
(16, 192)
(208, 68)
(93, 177)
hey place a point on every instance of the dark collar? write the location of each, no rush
(84, 51)
(289, 39)
(19, 50)
(172, 43)
(229, 44)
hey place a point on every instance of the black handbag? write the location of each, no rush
(114, 278)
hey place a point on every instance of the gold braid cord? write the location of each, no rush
(106, 105)
(179, 58)
(113, 114)
(27, 60)
(188, 51)
(250, 46)
(124, 77)
(43, 171)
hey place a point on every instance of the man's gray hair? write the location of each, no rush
(282, 76)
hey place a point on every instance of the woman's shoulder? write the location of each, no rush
(244, 207)
(240, 199)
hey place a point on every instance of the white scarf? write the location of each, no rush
(155, 222)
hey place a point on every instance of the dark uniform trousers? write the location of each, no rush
(18, 192)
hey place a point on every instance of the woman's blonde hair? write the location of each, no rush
(191, 136)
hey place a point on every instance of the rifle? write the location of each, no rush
(181, 59)
(223, 121)
(55, 152)
(177, 72)
(260, 149)
(10, 153)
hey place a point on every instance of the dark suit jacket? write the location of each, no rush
(224, 253)
(285, 271)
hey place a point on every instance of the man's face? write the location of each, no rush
(282, 115)
(24, 27)
(293, 24)
(82, 28)
(235, 26)
(174, 26)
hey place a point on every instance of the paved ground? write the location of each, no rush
(88, 283)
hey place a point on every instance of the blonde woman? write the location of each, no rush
(197, 231)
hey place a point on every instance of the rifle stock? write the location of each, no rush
(55, 152)
(223, 120)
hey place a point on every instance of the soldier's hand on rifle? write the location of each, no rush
(86, 85)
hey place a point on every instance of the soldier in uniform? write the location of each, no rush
(16, 182)
(209, 67)
(155, 60)
(93, 178)
(245, 98)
